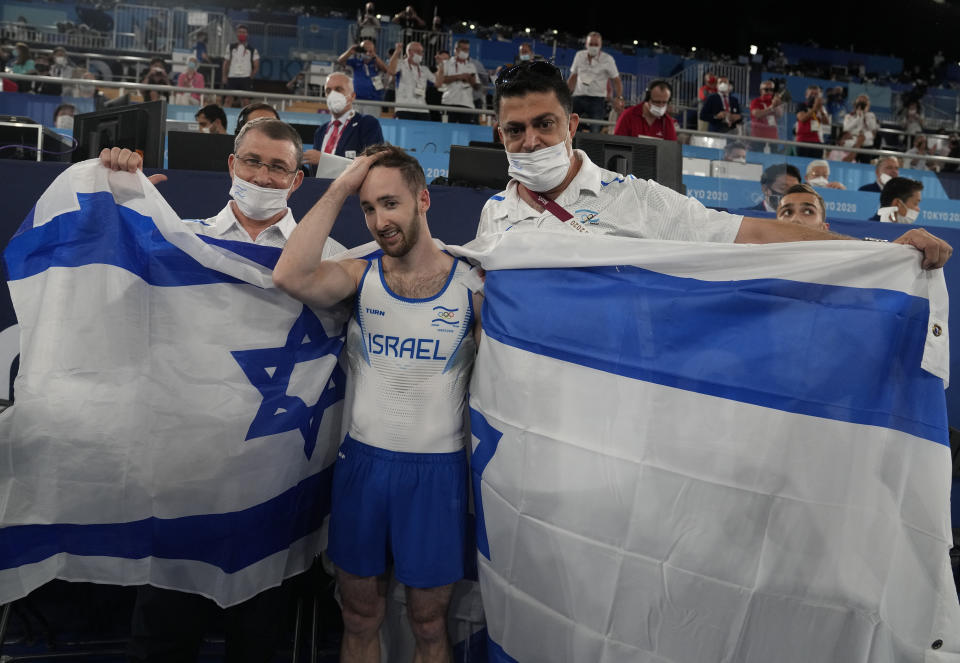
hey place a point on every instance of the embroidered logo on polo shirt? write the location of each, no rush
(587, 216)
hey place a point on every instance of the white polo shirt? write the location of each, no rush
(412, 82)
(607, 203)
(458, 93)
(593, 74)
(241, 61)
(226, 226)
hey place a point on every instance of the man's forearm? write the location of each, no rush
(768, 231)
(304, 250)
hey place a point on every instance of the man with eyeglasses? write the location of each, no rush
(649, 118)
(550, 179)
(168, 625)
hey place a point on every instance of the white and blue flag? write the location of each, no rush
(176, 417)
(686, 453)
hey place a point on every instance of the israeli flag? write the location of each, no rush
(176, 417)
(686, 453)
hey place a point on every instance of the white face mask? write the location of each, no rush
(542, 170)
(417, 58)
(657, 111)
(594, 51)
(723, 88)
(463, 55)
(850, 142)
(818, 181)
(909, 217)
(257, 202)
(204, 130)
(524, 57)
(60, 60)
(883, 179)
(64, 122)
(336, 102)
(738, 160)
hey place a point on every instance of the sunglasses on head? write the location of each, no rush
(540, 67)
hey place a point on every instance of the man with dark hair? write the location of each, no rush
(458, 78)
(774, 182)
(255, 111)
(802, 204)
(649, 118)
(168, 625)
(399, 483)
(212, 119)
(900, 201)
(240, 65)
(367, 68)
(735, 151)
(721, 110)
(550, 177)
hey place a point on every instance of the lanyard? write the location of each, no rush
(555, 209)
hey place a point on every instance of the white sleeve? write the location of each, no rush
(430, 75)
(575, 67)
(849, 122)
(256, 55)
(612, 69)
(486, 225)
(666, 214)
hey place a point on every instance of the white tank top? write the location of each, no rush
(409, 364)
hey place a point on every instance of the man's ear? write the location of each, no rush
(423, 201)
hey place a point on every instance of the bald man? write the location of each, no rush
(349, 133)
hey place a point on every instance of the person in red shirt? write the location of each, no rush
(812, 120)
(650, 117)
(765, 112)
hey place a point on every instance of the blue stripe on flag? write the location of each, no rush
(495, 653)
(229, 541)
(488, 438)
(753, 341)
(102, 232)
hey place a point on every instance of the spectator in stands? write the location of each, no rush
(412, 81)
(774, 183)
(953, 151)
(61, 67)
(721, 111)
(803, 205)
(200, 48)
(367, 66)
(41, 67)
(765, 112)
(708, 88)
(836, 104)
(63, 116)
(862, 122)
(649, 118)
(156, 75)
(458, 77)
(590, 76)
(408, 19)
(900, 201)
(435, 92)
(23, 62)
(846, 140)
(524, 54)
(254, 111)
(298, 84)
(887, 168)
(368, 25)
(349, 133)
(191, 79)
(911, 118)
(735, 151)
(818, 174)
(212, 119)
(240, 66)
(919, 149)
(812, 121)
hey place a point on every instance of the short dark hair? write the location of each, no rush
(659, 83)
(735, 145)
(899, 187)
(63, 107)
(806, 188)
(242, 26)
(528, 77)
(396, 157)
(213, 112)
(249, 108)
(271, 128)
(463, 41)
(771, 174)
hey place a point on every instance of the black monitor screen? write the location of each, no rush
(478, 166)
(193, 150)
(137, 127)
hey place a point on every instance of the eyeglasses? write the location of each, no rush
(539, 67)
(274, 169)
